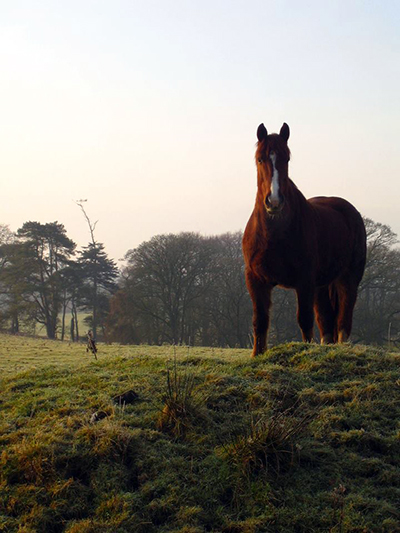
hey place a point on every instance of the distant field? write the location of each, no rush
(40, 331)
(18, 354)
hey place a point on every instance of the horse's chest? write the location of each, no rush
(285, 266)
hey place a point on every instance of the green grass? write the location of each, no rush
(25, 353)
(303, 439)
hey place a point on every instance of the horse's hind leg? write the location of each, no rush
(305, 312)
(325, 315)
(347, 296)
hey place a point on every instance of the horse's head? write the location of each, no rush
(272, 159)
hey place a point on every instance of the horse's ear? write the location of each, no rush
(261, 132)
(285, 132)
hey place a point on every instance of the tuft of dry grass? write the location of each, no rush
(271, 441)
(181, 402)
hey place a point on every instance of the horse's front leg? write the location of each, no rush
(305, 311)
(261, 297)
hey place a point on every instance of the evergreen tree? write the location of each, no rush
(99, 274)
(36, 265)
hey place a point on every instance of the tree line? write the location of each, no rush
(190, 289)
(177, 288)
(43, 279)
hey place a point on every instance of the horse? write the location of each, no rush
(316, 247)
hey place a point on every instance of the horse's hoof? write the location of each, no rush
(327, 339)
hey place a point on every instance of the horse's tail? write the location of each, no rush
(334, 298)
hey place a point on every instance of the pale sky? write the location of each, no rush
(149, 109)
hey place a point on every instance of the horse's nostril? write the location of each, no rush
(274, 203)
(271, 201)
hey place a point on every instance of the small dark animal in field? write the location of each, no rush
(129, 396)
(97, 416)
(316, 247)
(91, 344)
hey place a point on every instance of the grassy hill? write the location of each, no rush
(303, 439)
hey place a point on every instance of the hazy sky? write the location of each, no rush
(149, 109)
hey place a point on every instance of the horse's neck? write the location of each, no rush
(286, 224)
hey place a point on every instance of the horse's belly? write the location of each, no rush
(333, 261)
(326, 278)
(292, 274)
(330, 272)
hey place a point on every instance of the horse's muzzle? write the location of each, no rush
(274, 208)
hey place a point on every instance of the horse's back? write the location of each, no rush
(331, 209)
(336, 204)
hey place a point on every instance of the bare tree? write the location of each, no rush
(166, 278)
(99, 273)
(378, 302)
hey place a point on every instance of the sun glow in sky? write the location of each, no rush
(149, 109)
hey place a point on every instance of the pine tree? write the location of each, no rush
(36, 265)
(99, 275)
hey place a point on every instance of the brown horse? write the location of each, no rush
(316, 247)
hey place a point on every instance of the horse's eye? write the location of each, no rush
(260, 160)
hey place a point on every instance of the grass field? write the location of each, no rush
(18, 354)
(303, 439)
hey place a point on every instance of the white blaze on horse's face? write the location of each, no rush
(274, 196)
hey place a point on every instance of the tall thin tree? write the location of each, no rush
(99, 272)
